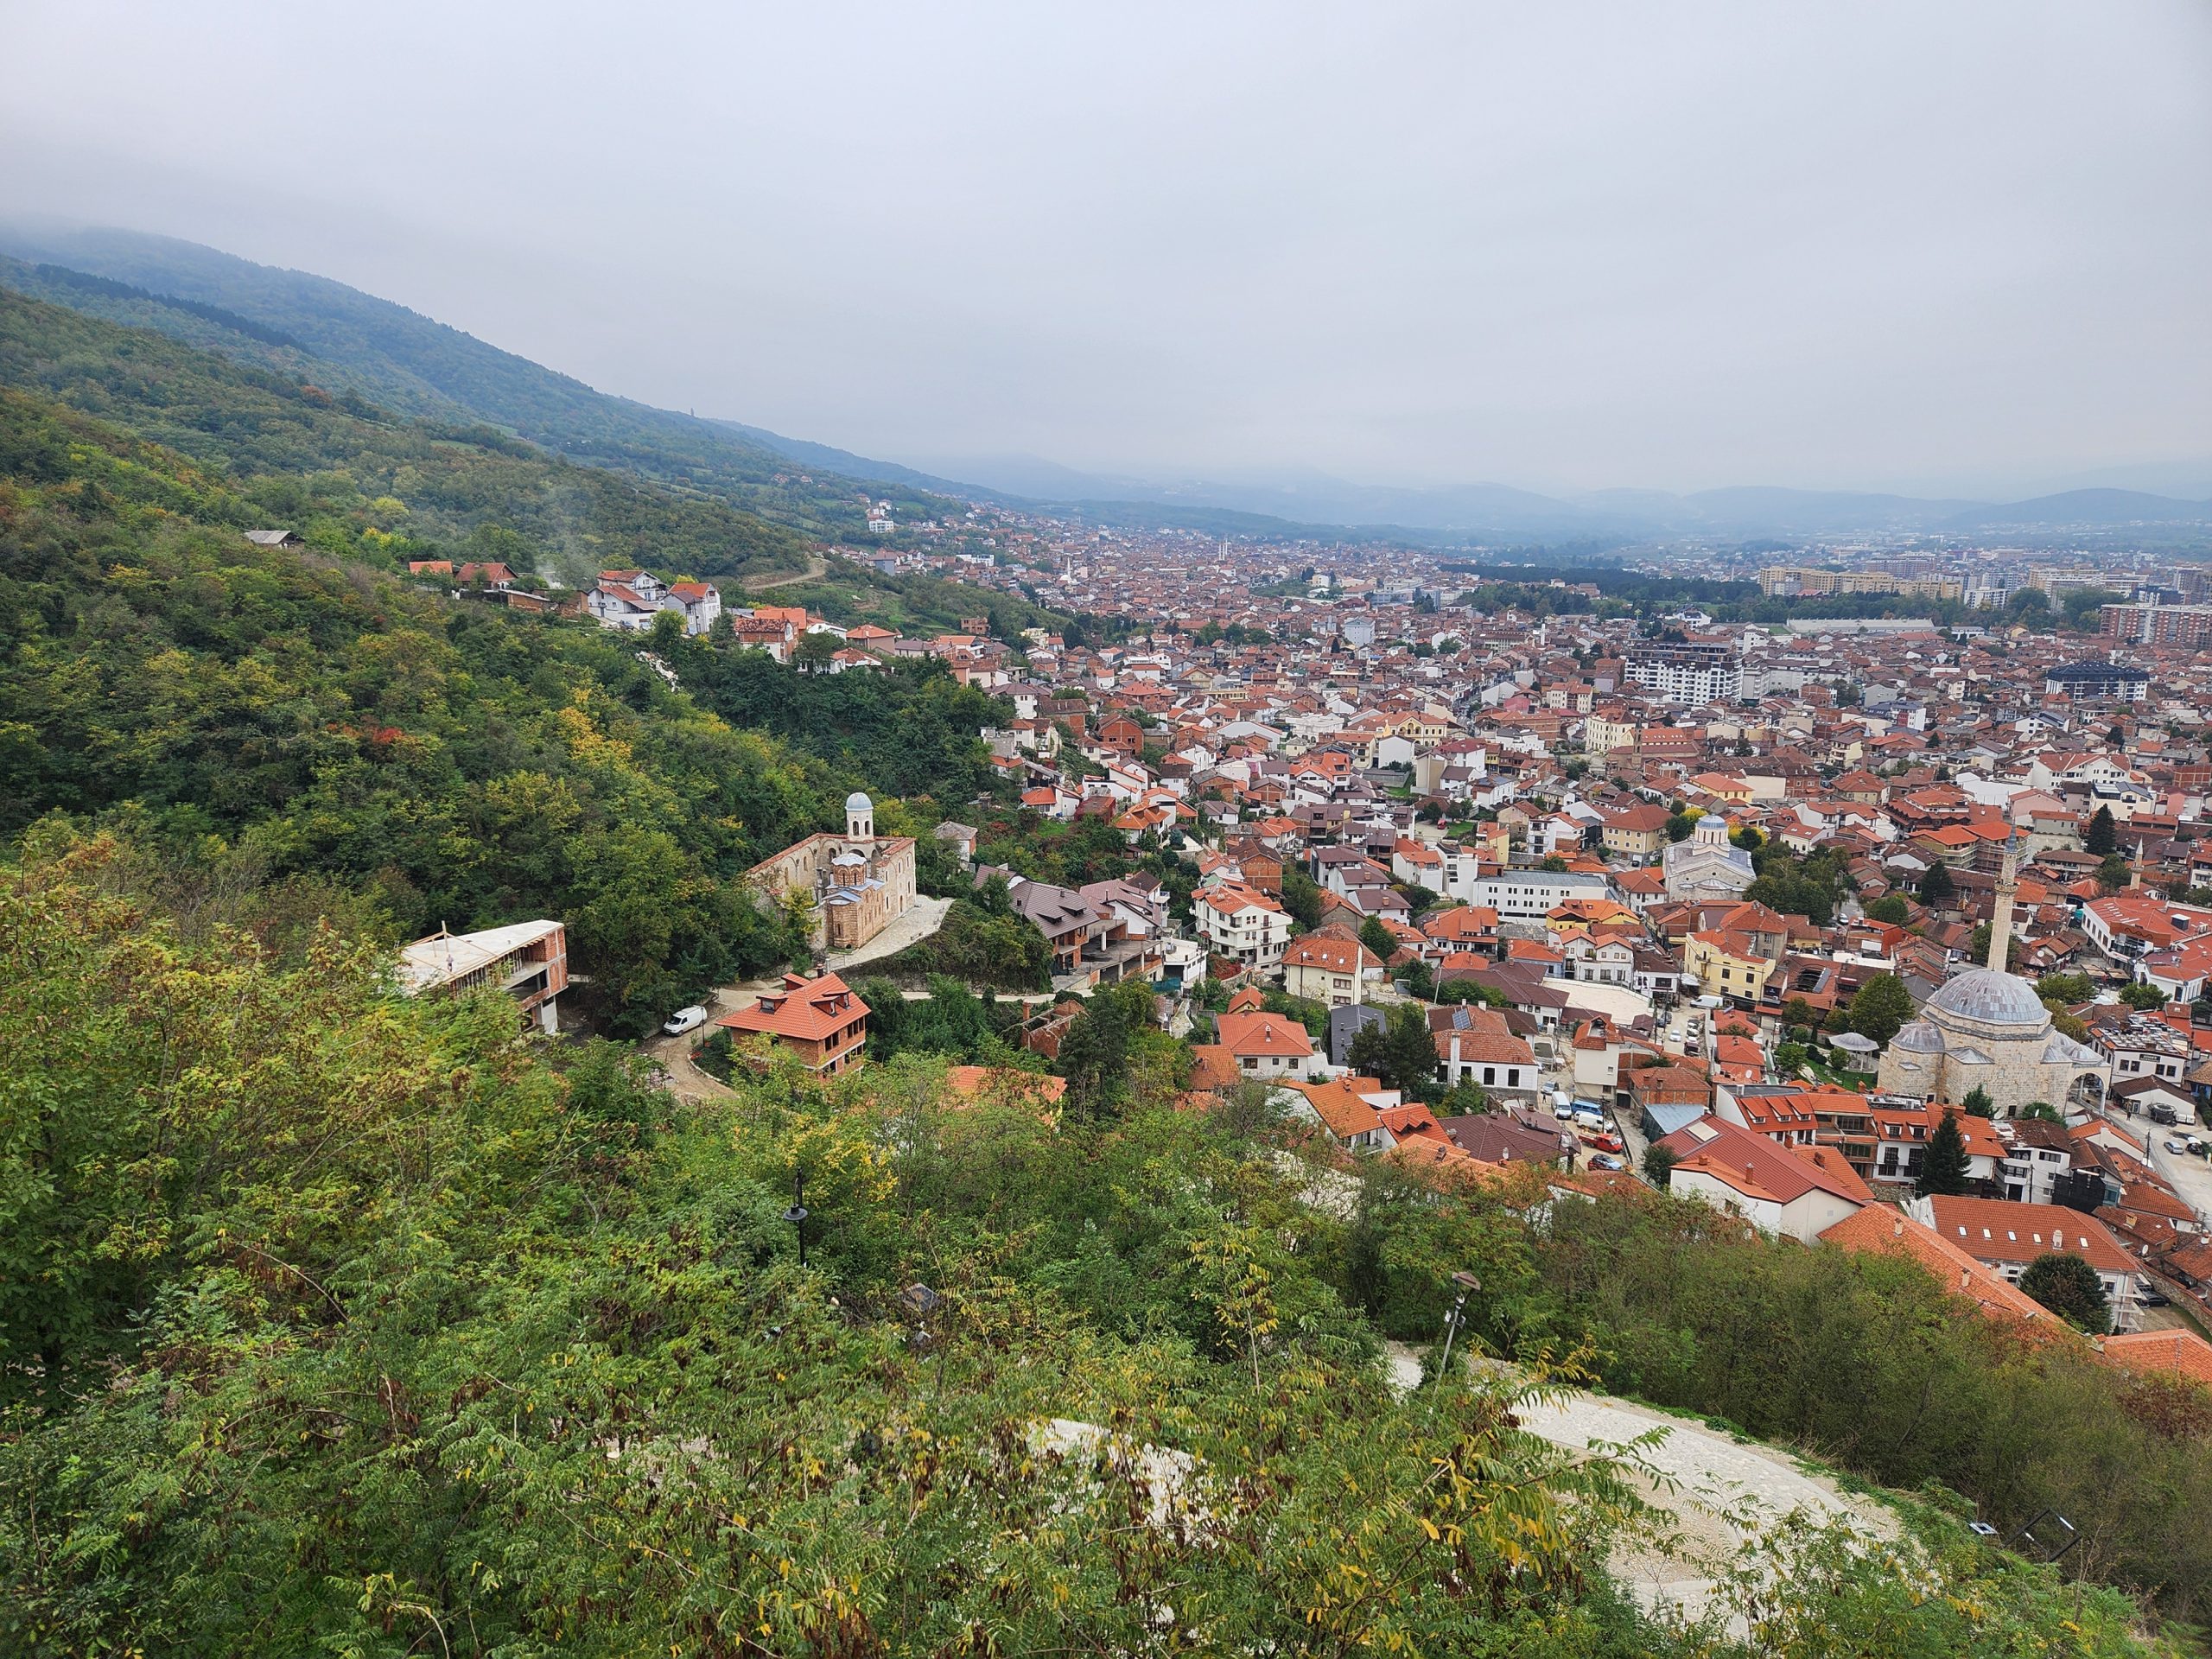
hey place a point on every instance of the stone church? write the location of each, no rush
(857, 883)
(1706, 866)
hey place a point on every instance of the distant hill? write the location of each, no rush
(343, 339)
(2087, 507)
(299, 325)
(437, 486)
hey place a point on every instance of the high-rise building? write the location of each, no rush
(1690, 670)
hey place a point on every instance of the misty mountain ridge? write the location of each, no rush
(300, 324)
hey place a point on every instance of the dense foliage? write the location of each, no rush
(338, 1323)
(250, 715)
(299, 326)
(1865, 1360)
(1811, 886)
(908, 728)
(353, 479)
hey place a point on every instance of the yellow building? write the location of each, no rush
(1727, 965)
(1636, 831)
(1601, 733)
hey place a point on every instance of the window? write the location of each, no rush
(1490, 1074)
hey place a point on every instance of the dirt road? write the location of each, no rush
(817, 566)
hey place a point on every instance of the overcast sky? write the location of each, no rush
(1924, 245)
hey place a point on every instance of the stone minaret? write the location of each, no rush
(2000, 923)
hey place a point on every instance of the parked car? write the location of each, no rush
(2155, 1299)
(1602, 1162)
(685, 1020)
(1605, 1142)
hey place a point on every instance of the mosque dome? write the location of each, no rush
(1918, 1038)
(1985, 997)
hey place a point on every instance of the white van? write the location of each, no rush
(685, 1020)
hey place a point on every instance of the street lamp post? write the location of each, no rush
(796, 1214)
(1468, 1285)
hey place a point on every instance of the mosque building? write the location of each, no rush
(1987, 1029)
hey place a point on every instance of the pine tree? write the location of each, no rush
(1935, 886)
(2101, 837)
(2069, 1287)
(1978, 1103)
(1943, 1170)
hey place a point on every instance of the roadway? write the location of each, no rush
(2190, 1177)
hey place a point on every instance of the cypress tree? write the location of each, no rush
(1943, 1170)
(2101, 837)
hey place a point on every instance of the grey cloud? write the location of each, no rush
(1950, 248)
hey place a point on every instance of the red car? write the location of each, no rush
(1603, 1142)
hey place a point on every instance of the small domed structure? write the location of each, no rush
(859, 817)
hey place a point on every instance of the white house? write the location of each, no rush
(1329, 968)
(1242, 924)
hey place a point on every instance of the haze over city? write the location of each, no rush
(1953, 251)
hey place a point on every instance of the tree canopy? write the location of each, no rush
(2069, 1287)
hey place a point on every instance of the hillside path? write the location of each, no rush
(816, 567)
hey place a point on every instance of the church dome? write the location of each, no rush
(857, 802)
(1990, 998)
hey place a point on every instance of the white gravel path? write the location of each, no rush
(1722, 1493)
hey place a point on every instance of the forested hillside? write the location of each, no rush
(335, 1323)
(346, 473)
(312, 730)
(345, 340)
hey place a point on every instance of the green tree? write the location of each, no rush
(1978, 1103)
(1937, 887)
(1659, 1164)
(1678, 826)
(1978, 950)
(2140, 994)
(1301, 897)
(1402, 1052)
(2069, 988)
(1880, 1007)
(1466, 1099)
(1943, 1166)
(2102, 837)
(2114, 874)
(1378, 939)
(2069, 1287)
(1096, 1048)
(1464, 989)
(1890, 907)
